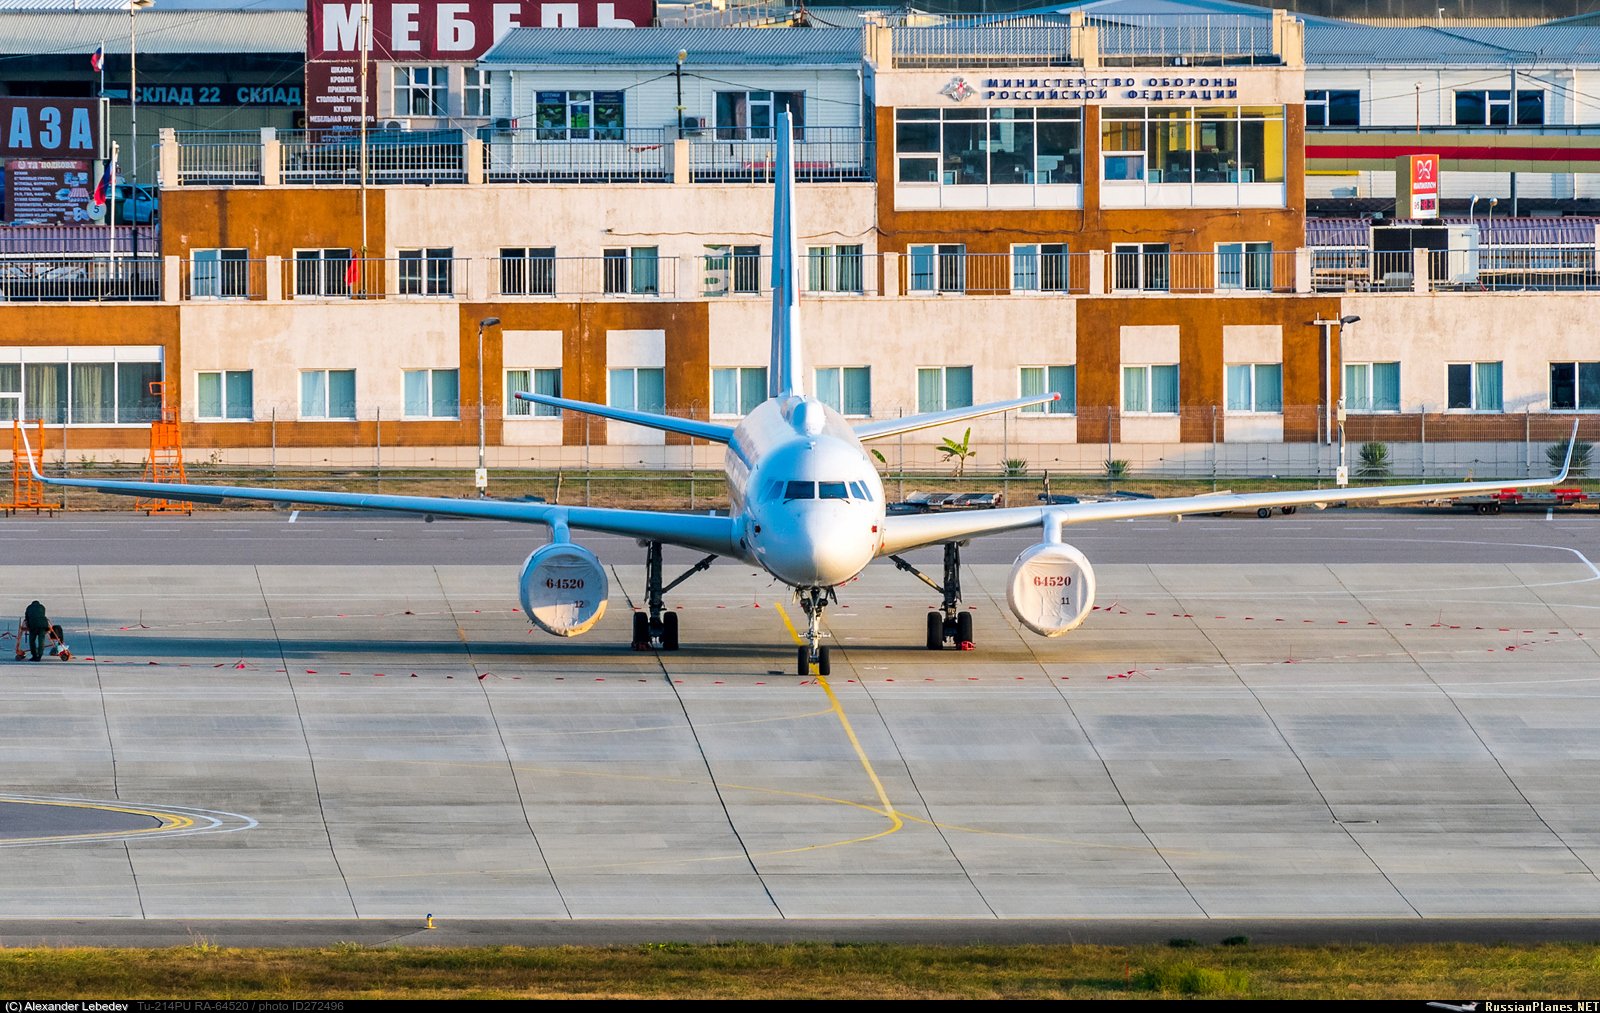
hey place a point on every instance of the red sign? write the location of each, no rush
(49, 127)
(1425, 174)
(1417, 185)
(420, 33)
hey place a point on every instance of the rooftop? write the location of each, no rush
(658, 47)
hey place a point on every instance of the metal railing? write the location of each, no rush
(376, 278)
(1510, 267)
(556, 277)
(637, 156)
(78, 240)
(967, 44)
(219, 157)
(1194, 40)
(993, 274)
(223, 279)
(80, 279)
(394, 157)
(821, 154)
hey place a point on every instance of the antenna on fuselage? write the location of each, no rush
(784, 370)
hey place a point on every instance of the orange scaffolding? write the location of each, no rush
(27, 492)
(166, 458)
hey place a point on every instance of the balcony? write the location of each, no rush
(821, 155)
(636, 156)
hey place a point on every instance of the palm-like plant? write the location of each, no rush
(958, 452)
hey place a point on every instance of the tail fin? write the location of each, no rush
(784, 374)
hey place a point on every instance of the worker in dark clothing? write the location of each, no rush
(38, 623)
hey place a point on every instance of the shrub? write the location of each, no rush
(1581, 452)
(1189, 979)
(1015, 467)
(1374, 460)
(1116, 468)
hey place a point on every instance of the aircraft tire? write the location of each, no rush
(964, 629)
(803, 664)
(669, 631)
(824, 662)
(935, 631)
(1263, 512)
(641, 631)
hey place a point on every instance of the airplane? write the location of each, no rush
(806, 503)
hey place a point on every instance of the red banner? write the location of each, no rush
(419, 33)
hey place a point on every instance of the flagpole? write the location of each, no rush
(365, 42)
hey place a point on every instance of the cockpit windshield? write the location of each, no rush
(780, 489)
(832, 490)
(800, 490)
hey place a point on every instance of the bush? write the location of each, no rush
(1580, 456)
(1374, 460)
(1015, 467)
(1190, 979)
(1116, 469)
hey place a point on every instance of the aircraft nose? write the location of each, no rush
(816, 545)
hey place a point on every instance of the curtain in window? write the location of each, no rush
(10, 384)
(1064, 381)
(518, 380)
(548, 382)
(858, 390)
(314, 394)
(930, 390)
(752, 388)
(1269, 387)
(416, 393)
(850, 268)
(446, 393)
(827, 380)
(1238, 383)
(1033, 386)
(1357, 389)
(1164, 389)
(341, 393)
(644, 271)
(957, 386)
(136, 402)
(44, 392)
(1135, 395)
(652, 390)
(725, 391)
(241, 394)
(94, 386)
(1385, 386)
(1486, 387)
(205, 277)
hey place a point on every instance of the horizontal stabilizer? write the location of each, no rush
(894, 427)
(650, 420)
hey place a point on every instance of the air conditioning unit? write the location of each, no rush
(396, 125)
(694, 126)
(505, 124)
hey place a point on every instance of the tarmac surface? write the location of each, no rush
(1352, 725)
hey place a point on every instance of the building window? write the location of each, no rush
(579, 115)
(937, 268)
(1333, 108)
(219, 274)
(1474, 386)
(527, 270)
(476, 97)
(1039, 267)
(943, 387)
(732, 269)
(1063, 380)
(638, 389)
(1140, 267)
(999, 146)
(421, 91)
(1244, 266)
(323, 272)
(532, 381)
(1150, 390)
(750, 115)
(1372, 386)
(846, 389)
(632, 271)
(328, 394)
(1493, 108)
(735, 392)
(833, 268)
(429, 271)
(95, 392)
(1222, 144)
(433, 393)
(1256, 388)
(225, 395)
(1575, 386)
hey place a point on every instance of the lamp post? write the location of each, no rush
(482, 477)
(1329, 367)
(683, 54)
(134, 6)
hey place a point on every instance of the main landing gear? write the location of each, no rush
(948, 625)
(656, 626)
(813, 600)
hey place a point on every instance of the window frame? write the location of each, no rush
(224, 377)
(737, 265)
(1251, 258)
(533, 269)
(946, 258)
(828, 267)
(629, 258)
(426, 280)
(1066, 406)
(231, 277)
(634, 371)
(932, 167)
(1325, 99)
(325, 275)
(1253, 373)
(750, 389)
(17, 404)
(838, 403)
(434, 92)
(433, 394)
(515, 407)
(477, 89)
(1048, 259)
(746, 102)
(1577, 369)
(1148, 383)
(944, 388)
(1147, 256)
(1472, 380)
(1371, 371)
(327, 395)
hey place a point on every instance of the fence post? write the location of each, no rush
(271, 156)
(273, 460)
(1213, 448)
(1527, 443)
(681, 171)
(377, 450)
(1422, 440)
(901, 457)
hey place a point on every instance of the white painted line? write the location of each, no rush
(293, 516)
(1549, 513)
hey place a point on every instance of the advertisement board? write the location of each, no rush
(50, 128)
(1417, 186)
(49, 192)
(424, 34)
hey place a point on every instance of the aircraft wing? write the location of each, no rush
(696, 531)
(901, 533)
(910, 423)
(667, 423)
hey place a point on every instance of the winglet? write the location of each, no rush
(784, 372)
(1566, 466)
(27, 448)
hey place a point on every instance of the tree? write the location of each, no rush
(958, 452)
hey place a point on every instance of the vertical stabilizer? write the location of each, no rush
(784, 372)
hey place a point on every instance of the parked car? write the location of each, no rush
(137, 205)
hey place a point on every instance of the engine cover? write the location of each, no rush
(1051, 589)
(564, 589)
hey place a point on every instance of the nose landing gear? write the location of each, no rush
(951, 624)
(813, 600)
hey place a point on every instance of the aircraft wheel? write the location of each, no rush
(1264, 512)
(935, 631)
(1289, 510)
(824, 662)
(964, 630)
(803, 662)
(641, 631)
(669, 631)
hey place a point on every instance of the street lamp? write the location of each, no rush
(683, 54)
(134, 6)
(482, 478)
(1329, 368)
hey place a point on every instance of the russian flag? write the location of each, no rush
(97, 60)
(102, 189)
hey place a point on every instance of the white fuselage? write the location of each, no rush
(808, 502)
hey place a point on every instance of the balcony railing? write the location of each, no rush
(974, 45)
(394, 157)
(1510, 267)
(376, 278)
(993, 274)
(636, 156)
(821, 154)
(562, 277)
(1185, 40)
(80, 279)
(220, 158)
(223, 279)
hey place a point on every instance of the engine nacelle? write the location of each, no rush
(564, 589)
(1051, 589)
